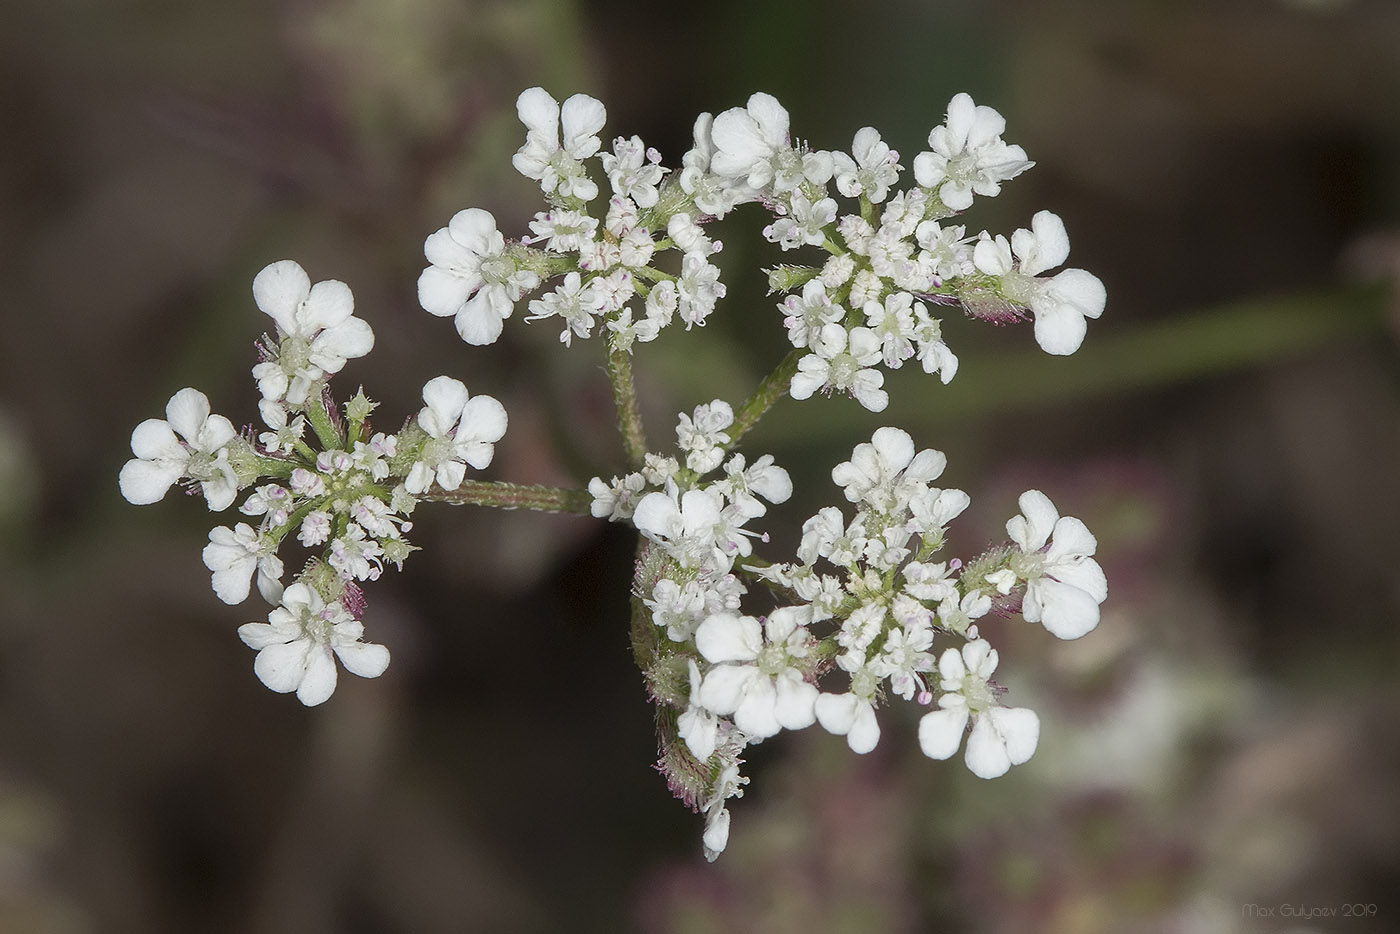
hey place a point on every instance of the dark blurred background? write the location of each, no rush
(1223, 746)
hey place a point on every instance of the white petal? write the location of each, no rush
(1065, 611)
(154, 439)
(755, 714)
(1070, 538)
(144, 482)
(582, 117)
(346, 341)
(795, 707)
(716, 836)
(1078, 289)
(451, 474)
(483, 419)
(328, 304)
(539, 111)
(219, 494)
(895, 447)
(476, 453)
(478, 322)
(656, 515)
(1044, 246)
(700, 730)
(772, 117)
(443, 250)
(279, 290)
(1020, 730)
(442, 293)
(365, 659)
(1084, 574)
(476, 230)
(186, 412)
(216, 432)
(992, 256)
(941, 732)
(1038, 518)
(865, 731)
(836, 712)
(1059, 328)
(444, 398)
(723, 688)
(950, 665)
(986, 750)
(261, 635)
(725, 637)
(282, 667)
(318, 684)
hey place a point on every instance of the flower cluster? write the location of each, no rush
(890, 261)
(349, 498)
(865, 597)
(734, 649)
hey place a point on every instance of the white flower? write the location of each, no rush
(885, 472)
(318, 328)
(615, 501)
(572, 301)
(893, 322)
(712, 194)
(1061, 303)
(270, 500)
(462, 429)
(968, 155)
(472, 278)
(935, 355)
(563, 230)
(957, 615)
(684, 525)
(234, 554)
(748, 140)
(555, 167)
(1064, 585)
(803, 223)
(743, 485)
(698, 289)
(188, 442)
(808, 313)
(903, 657)
(873, 170)
(690, 236)
(355, 555)
(755, 677)
(842, 361)
(626, 331)
(296, 644)
(677, 609)
(633, 170)
(315, 528)
(1001, 736)
(285, 434)
(702, 437)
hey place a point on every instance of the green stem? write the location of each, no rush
(321, 422)
(773, 387)
(629, 417)
(513, 496)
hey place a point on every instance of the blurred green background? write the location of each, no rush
(1222, 746)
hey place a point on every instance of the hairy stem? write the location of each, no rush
(513, 496)
(629, 418)
(773, 388)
